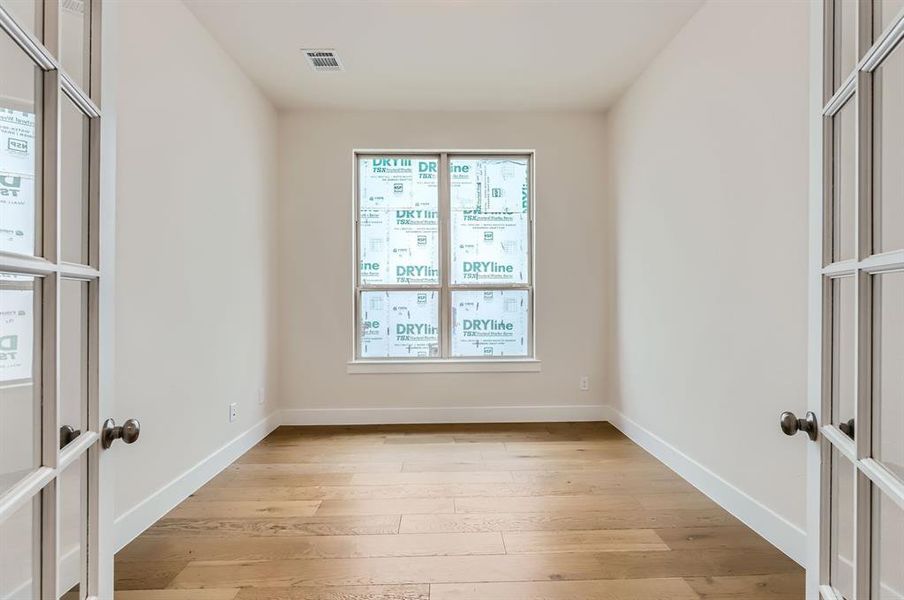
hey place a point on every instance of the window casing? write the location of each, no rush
(444, 256)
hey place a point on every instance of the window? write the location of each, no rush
(444, 256)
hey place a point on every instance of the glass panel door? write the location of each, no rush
(51, 543)
(861, 498)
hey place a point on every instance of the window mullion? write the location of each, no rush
(444, 223)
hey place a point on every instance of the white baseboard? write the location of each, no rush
(131, 523)
(463, 414)
(781, 533)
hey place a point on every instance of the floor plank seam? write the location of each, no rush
(587, 513)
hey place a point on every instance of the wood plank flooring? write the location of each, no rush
(540, 511)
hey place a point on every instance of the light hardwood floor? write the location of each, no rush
(565, 511)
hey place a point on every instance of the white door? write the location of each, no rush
(856, 467)
(55, 291)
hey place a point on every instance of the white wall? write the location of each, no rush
(196, 188)
(709, 176)
(315, 226)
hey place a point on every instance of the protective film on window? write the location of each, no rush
(399, 324)
(490, 220)
(490, 323)
(398, 220)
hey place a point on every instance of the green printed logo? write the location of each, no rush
(391, 162)
(411, 217)
(486, 325)
(412, 271)
(370, 266)
(475, 268)
(459, 168)
(406, 330)
(426, 170)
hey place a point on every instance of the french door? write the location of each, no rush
(856, 466)
(55, 216)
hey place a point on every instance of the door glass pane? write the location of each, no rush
(398, 220)
(888, 173)
(27, 14)
(888, 534)
(73, 183)
(73, 353)
(490, 220)
(490, 323)
(884, 12)
(843, 336)
(20, 86)
(74, 44)
(888, 375)
(73, 515)
(842, 535)
(845, 39)
(20, 557)
(843, 188)
(399, 324)
(20, 368)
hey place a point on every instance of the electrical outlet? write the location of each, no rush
(585, 383)
(261, 395)
(233, 411)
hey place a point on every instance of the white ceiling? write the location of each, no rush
(445, 54)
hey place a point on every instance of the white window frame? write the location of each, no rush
(445, 362)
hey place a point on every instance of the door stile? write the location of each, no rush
(863, 175)
(101, 536)
(50, 433)
(50, 399)
(863, 312)
(819, 293)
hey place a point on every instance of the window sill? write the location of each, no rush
(515, 365)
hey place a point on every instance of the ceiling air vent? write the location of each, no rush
(323, 60)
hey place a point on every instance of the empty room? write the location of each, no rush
(451, 300)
